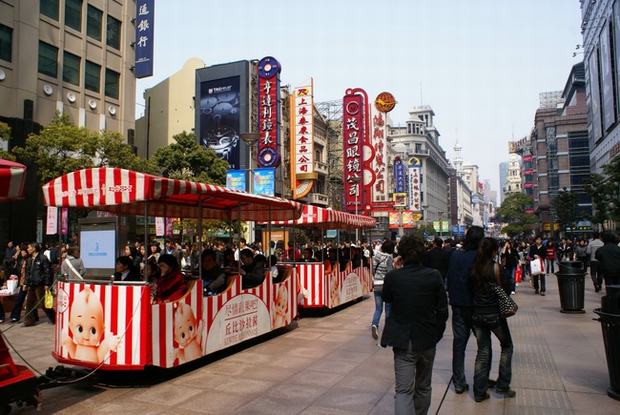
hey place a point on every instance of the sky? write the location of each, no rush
(479, 63)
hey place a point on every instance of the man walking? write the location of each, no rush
(609, 259)
(416, 323)
(37, 281)
(459, 290)
(593, 246)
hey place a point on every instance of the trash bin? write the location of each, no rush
(571, 284)
(609, 316)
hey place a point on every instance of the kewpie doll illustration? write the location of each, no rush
(88, 340)
(188, 334)
(334, 292)
(280, 307)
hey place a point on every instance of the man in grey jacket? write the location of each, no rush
(593, 246)
(73, 266)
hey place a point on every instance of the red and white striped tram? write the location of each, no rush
(130, 331)
(323, 285)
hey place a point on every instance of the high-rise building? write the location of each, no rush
(169, 109)
(601, 47)
(503, 173)
(69, 56)
(512, 183)
(419, 138)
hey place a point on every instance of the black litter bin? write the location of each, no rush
(609, 316)
(571, 284)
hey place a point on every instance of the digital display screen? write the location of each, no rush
(98, 248)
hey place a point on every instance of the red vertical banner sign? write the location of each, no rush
(268, 112)
(352, 145)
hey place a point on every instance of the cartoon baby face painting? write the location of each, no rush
(187, 334)
(280, 305)
(88, 340)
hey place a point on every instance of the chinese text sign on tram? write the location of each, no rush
(145, 14)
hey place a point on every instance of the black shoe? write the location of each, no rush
(597, 288)
(461, 389)
(14, 320)
(536, 292)
(507, 392)
(492, 383)
(542, 293)
(482, 398)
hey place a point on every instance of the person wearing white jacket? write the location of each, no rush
(382, 263)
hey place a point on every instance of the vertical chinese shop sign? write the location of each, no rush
(268, 112)
(144, 38)
(302, 155)
(414, 196)
(353, 139)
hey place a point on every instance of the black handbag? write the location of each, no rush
(507, 306)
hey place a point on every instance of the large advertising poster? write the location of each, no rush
(235, 180)
(595, 97)
(219, 118)
(265, 181)
(608, 110)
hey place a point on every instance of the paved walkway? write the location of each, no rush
(330, 365)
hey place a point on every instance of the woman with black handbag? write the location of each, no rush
(491, 307)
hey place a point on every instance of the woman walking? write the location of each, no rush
(382, 264)
(486, 320)
(510, 261)
(550, 256)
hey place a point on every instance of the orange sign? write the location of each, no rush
(385, 102)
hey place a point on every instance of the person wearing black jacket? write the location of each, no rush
(415, 325)
(608, 257)
(510, 260)
(437, 258)
(38, 280)
(538, 252)
(253, 268)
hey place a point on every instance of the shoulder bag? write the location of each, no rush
(507, 306)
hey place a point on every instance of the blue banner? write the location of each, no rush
(399, 176)
(236, 180)
(265, 181)
(145, 18)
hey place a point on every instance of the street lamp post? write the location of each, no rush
(250, 139)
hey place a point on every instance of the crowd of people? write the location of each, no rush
(415, 281)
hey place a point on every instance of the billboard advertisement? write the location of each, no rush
(379, 161)
(264, 181)
(608, 111)
(414, 184)
(145, 18)
(399, 176)
(408, 219)
(353, 140)
(236, 180)
(269, 112)
(302, 145)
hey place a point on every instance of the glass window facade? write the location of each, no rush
(93, 22)
(71, 68)
(92, 77)
(6, 43)
(48, 59)
(114, 33)
(112, 80)
(73, 14)
(49, 8)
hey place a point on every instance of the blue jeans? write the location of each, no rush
(461, 329)
(484, 325)
(508, 282)
(376, 317)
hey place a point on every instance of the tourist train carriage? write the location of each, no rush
(129, 332)
(321, 286)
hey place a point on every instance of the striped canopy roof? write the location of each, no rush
(314, 216)
(12, 180)
(127, 192)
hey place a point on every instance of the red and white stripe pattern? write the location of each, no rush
(316, 285)
(12, 180)
(207, 308)
(329, 219)
(131, 193)
(126, 315)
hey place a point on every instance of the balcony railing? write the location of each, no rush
(320, 167)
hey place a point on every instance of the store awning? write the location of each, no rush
(314, 216)
(12, 180)
(126, 192)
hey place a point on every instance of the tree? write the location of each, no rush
(5, 135)
(565, 206)
(62, 147)
(513, 213)
(188, 160)
(605, 192)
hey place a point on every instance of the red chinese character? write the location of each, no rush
(303, 111)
